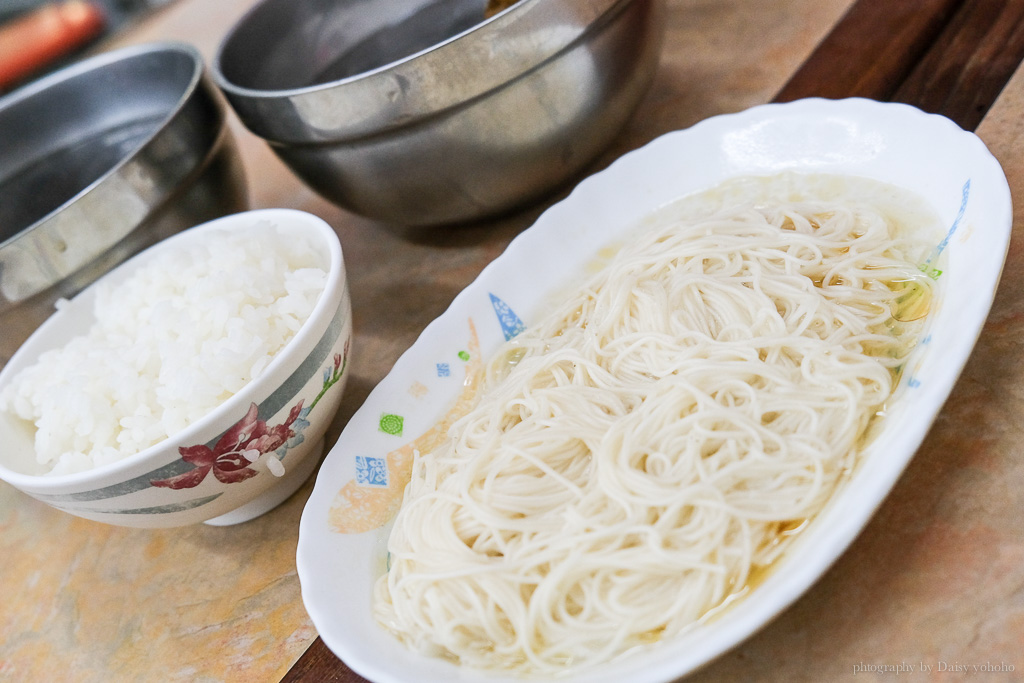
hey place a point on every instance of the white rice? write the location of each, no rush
(170, 344)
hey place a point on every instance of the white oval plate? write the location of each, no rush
(341, 547)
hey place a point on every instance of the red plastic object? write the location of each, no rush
(42, 36)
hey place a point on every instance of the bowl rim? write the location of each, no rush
(483, 30)
(27, 92)
(374, 85)
(36, 88)
(307, 335)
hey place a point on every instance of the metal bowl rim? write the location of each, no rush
(491, 25)
(92, 64)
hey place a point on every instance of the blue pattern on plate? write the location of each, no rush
(511, 325)
(371, 471)
(965, 193)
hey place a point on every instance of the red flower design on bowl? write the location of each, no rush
(234, 452)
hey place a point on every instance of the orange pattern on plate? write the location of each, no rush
(356, 508)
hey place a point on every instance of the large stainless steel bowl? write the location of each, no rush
(422, 112)
(97, 162)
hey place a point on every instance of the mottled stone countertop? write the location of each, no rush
(937, 578)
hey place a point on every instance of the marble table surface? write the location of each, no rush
(936, 579)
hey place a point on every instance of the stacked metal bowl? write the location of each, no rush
(99, 161)
(423, 112)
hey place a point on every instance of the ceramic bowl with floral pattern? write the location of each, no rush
(238, 461)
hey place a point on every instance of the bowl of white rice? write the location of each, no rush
(193, 383)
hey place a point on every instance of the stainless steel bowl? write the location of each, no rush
(99, 161)
(421, 112)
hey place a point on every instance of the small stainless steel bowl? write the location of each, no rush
(422, 112)
(99, 161)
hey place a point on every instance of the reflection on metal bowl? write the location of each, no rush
(421, 112)
(101, 160)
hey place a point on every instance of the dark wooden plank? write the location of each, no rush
(319, 664)
(949, 57)
(969, 63)
(872, 49)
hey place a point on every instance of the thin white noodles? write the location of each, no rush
(640, 452)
